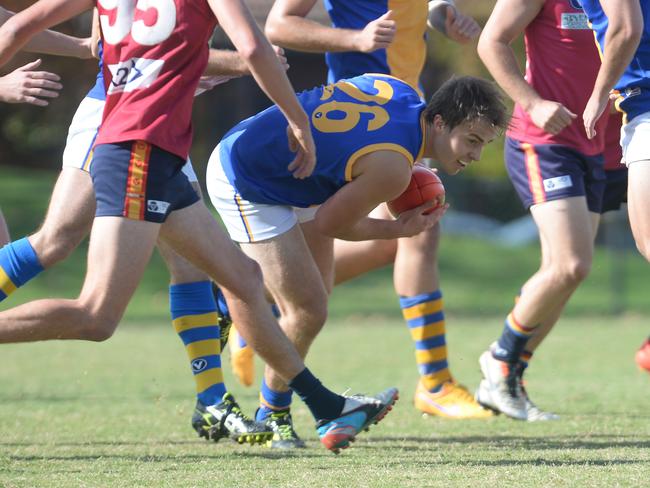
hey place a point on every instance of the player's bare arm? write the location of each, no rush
(288, 26)
(223, 62)
(625, 26)
(51, 42)
(236, 20)
(17, 31)
(377, 177)
(507, 22)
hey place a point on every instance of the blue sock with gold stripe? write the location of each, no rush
(18, 264)
(272, 401)
(194, 315)
(426, 321)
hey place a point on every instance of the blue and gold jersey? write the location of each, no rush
(348, 120)
(405, 56)
(98, 91)
(634, 85)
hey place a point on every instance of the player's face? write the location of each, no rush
(457, 148)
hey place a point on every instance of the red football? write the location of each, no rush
(424, 186)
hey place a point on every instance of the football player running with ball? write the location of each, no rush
(375, 36)
(369, 131)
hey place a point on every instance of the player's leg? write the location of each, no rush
(68, 220)
(561, 187)
(118, 253)
(638, 205)
(416, 282)
(241, 282)
(293, 280)
(240, 279)
(300, 258)
(566, 226)
(70, 212)
(194, 318)
(356, 258)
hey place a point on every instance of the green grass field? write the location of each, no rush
(117, 413)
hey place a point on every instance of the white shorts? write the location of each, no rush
(82, 133)
(635, 137)
(248, 221)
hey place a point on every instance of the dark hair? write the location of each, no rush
(466, 98)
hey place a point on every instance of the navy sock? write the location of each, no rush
(323, 403)
(512, 341)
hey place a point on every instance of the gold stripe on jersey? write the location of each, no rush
(407, 53)
(373, 148)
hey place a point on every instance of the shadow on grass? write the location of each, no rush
(599, 441)
(189, 458)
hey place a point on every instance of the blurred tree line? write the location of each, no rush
(35, 136)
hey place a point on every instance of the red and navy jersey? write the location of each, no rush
(561, 65)
(155, 51)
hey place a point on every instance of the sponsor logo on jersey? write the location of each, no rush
(574, 21)
(199, 365)
(558, 183)
(157, 206)
(133, 74)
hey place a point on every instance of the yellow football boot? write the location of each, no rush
(452, 401)
(241, 359)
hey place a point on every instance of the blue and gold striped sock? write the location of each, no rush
(426, 321)
(194, 316)
(18, 264)
(272, 401)
(512, 341)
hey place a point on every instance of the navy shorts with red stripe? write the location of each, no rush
(545, 172)
(139, 181)
(615, 190)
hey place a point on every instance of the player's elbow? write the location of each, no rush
(485, 47)
(10, 31)
(274, 30)
(629, 29)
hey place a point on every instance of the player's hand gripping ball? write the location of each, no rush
(424, 187)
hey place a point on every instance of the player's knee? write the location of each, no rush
(308, 312)
(100, 326)
(573, 272)
(252, 283)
